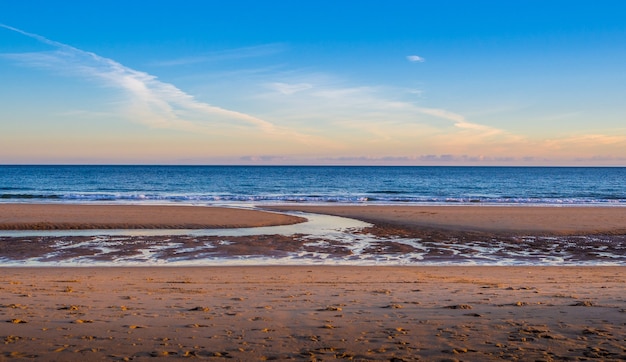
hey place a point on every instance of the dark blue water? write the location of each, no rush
(336, 184)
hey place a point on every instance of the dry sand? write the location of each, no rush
(314, 313)
(63, 216)
(494, 219)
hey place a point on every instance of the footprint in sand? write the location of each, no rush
(68, 307)
(330, 308)
(17, 321)
(200, 309)
(585, 303)
(393, 306)
(81, 321)
(134, 326)
(459, 306)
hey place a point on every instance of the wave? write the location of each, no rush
(386, 192)
(380, 198)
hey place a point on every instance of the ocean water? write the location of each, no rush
(323, 239)
(209, 185)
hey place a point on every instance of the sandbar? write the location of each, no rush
(75, 216)
(491, 219)
(314, 313)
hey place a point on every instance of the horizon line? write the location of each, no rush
(290, 165)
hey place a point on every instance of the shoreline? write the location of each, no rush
(313, 312)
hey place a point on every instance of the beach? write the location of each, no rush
(491, 219)
(494, 219)
(74, 216)
(312, 312)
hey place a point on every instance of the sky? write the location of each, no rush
(320, 82)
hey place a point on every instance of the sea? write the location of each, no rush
(604, 186)
(322, 240)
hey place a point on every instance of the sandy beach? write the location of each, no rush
(64, 217)
(361, 313)
(492, 219)
(314, 313)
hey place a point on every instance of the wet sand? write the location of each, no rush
(314, 313)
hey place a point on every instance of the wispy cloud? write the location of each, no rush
(586, 141)
(230, 54)
(151, 101)
(289, 89)
(367, 100)
(442, 113)
(378, 119)
(415, 59)
(459, 120)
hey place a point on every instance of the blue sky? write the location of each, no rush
(323, 82)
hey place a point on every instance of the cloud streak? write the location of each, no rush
(152, 102)
(288, 89)
(459, 121)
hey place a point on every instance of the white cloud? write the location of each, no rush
(415, 59)
(151, 101)
(359, 117)
(441, 113)
(288, 89)
(461, 123)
